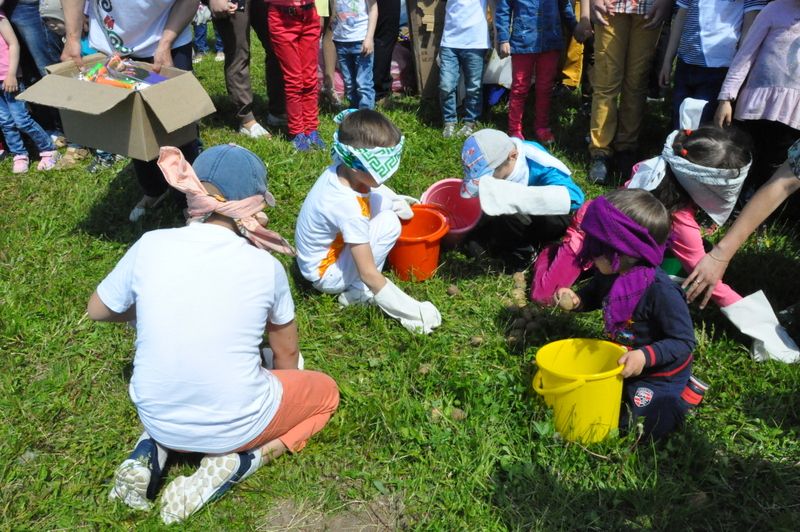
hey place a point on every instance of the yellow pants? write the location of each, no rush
(623, 53)
(573, 60)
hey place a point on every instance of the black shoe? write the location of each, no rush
(598, 171)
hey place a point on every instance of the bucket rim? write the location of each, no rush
(584, 376)
(433, 237)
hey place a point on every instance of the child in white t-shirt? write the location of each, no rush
(354, 24)
(465, 41)
(350, 221)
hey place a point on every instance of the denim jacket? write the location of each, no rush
(533, 26)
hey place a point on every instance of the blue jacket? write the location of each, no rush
(533, 26)
(543, 175)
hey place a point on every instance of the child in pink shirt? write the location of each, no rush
(14, 115)
(703, 169)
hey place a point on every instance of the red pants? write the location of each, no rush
(309, 400)
(294, 33)
(545, 65)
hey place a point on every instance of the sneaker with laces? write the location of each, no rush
(315, 141)
(215, 476)
(301, 142)
(21, 163)
(598, 171)
(466, 130)
(277, 120)
(219, 57)
(48, 160)
(545, 136)
(449, 130)
(137, 478)
(256, 131)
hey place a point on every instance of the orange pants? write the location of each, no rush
(309, 400)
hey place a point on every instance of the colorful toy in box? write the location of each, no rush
(122, 73)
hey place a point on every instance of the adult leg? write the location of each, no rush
(385, 38)
(546, 69)
(309, 400)
(472, 64)
(235, 33)
(573, 60)
(32, 33)
(274, 77)
(640, 51)
(610, 47)
(521, 72)
(448, 81)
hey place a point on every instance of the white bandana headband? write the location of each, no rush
(381, 162)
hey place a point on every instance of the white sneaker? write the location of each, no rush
(197, 58)
(449, 130)
(256, 131)
(137, 477)
(219, 57)
(215, 476)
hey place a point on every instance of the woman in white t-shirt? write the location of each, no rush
(202, 297)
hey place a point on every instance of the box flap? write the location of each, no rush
(178, 102)
(71, 67)
(65, 92)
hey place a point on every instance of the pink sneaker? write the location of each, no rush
(545, 136)
(20, 164)
(47, 160)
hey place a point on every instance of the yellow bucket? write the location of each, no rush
(581, 380)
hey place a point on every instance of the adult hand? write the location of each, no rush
(657, 13)
(634, 363)
(367, 47)
(72, 52)
(10, 84)
(724, 113)
(504, 50)
(601, 11)
(222, 8)
(583, 30)
(704, 278)
(162, 58)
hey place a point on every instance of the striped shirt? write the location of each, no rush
(712, 30)
(631, 7)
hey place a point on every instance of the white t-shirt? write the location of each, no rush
(465, 25)
(133, 26)
(203, 297)
(352, 20)
(332, 215)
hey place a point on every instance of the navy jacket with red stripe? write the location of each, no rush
(661, 325)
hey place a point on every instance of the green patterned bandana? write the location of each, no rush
(381, 163)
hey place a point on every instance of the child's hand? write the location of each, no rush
(566, 299)
(583, 31)
(634, 363)
(504, 50)
(724, 113)
(367, 47)
(665, 75)
(601, 11)
(10, 84)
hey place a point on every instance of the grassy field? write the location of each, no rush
(395, 455)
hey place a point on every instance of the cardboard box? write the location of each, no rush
(426, 24)
(127, 122)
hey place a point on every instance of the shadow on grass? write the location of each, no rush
(687, 482)
(780, 409)
(108, 218)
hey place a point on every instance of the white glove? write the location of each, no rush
(402, 209)
(499, 196)
(268, 359)
(754, 316)
(202, 16)
(415, 316)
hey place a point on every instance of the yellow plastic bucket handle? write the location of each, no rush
(574, 385)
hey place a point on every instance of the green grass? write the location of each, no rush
(385, 457)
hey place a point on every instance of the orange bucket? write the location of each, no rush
(415, 255)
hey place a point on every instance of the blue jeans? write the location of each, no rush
(44, 45)
(356, 70)
(702, 83)
(201, 39)
(451, 62)
(15, 119)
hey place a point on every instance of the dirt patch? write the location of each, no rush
(378, 515)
